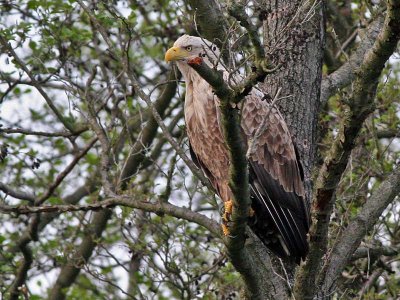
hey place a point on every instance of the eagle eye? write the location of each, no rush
(188, 48)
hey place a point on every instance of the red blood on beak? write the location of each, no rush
(195, 61)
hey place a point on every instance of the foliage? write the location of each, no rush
(65, 78)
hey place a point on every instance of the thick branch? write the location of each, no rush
(388, 133)
(210, 19)
(220, 87)
(240, 256)
(364, 252)
(159, 208)
(347, 244)
(239, 179)
(213, 77)
(361, 104)
(347, 72)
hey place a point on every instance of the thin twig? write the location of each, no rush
(36, 84)
(63, 174)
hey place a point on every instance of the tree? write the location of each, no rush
(98, 196)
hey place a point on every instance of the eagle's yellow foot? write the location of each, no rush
(228, 205)
(225, 229)
(226, 216)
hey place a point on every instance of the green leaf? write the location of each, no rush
(32, 45)
(33, 4)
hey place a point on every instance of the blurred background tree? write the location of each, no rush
(98, 199)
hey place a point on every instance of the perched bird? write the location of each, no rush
(281, 213)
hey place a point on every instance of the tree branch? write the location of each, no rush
(145, 97)
(342, 252)
(240, 257)
(160, 208)
(33, 228)
(60, 177)
(106, 151)
(364, 252)
(16, 194)
(370, 282)
(237, 10)
(46, 218)
(347, 72)
(387, 133)
(42, 133)
(361, 104)
(166, 132)
(149, 131)
(211, 20)
(69, 273)
(36, 84)
(71, 270)
(22, 272)
(220, 87)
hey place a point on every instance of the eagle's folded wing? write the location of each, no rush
(276, 176)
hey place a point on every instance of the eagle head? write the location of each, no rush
(188, 47)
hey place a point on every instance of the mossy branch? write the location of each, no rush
(347, 244)
(361, 104)
(239, 177)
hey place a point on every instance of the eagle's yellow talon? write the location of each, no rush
(225, 229)
(228, 205)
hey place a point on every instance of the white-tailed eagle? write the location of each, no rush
(281, 214)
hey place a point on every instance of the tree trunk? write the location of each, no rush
(293, 39)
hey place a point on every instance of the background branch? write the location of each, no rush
(352, 235)
(36, 84)
(160, 208)
(343, 76)
(361, 104)
(16, 194)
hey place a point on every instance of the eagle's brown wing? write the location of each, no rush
(276, 180)
(197, 161)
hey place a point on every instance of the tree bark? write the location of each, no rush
(293, 38)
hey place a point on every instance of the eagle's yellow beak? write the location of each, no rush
(175, 53)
